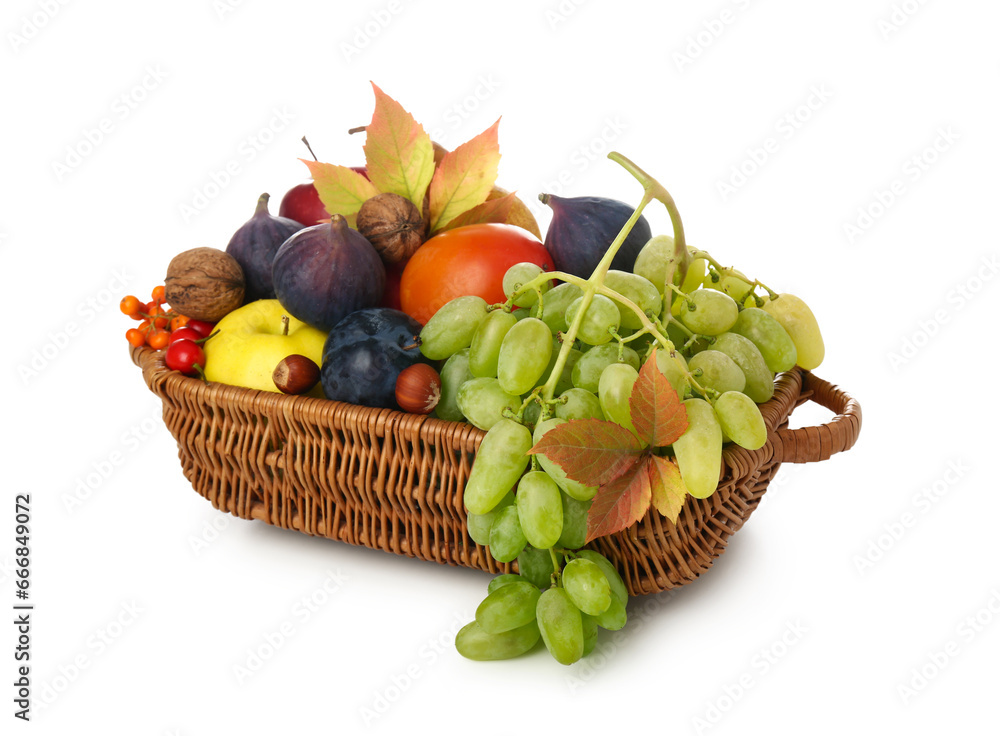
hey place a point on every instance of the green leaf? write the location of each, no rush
(667, 487)
(590, 451)
(464, 178)
(341, 189)
(620, 503)
(398, 151)
(657, 412)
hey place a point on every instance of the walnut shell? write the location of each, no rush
(393, 225)
(204, 284)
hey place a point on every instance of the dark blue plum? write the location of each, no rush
(365, 353)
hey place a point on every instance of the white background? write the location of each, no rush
(856, 579)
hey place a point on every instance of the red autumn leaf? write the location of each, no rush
(667, 489)
(628, 475)
(399, 154)
(657, 412)
(590, 451)
(493, 210)
(620, 503)
(465, 177)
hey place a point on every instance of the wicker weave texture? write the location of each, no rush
(393, 481)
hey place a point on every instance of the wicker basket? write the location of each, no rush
(393, 481)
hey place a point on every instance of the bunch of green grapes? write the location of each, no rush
(553, 354)
(563, 348)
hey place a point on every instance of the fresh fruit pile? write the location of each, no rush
(608, 366)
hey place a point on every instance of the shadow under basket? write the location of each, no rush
(394, 481)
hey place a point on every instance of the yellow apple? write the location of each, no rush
(252, 340)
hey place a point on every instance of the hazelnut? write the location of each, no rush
(418, 389)
(393, 225)
(296, 374)
(204, 284)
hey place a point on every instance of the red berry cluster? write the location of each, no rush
(161, 327)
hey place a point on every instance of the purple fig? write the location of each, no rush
(324, 272)
(254, 246)
(582, 228)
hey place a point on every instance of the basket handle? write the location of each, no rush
(813, 444)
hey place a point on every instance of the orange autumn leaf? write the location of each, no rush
(493, 210)
(464, 178)
(399, 154)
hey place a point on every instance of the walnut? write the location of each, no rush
(393, 225)
(204, 284)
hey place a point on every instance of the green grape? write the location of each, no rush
(699, 449)
(454, 373)
(740, 420)
(500, 461)
(484, 352)
(641, 291)
(574, 488)
(586, 586)
(731, 282)
(508, 607)
(482, 401)
(618, 589)
(524, 356)
(769, 336)
(579, 404)
(536, 566)
(452, 327)
(506, 536)
(614, 390)
(653, 259)
(759, 381)
(519, 274)
(479, 525)
(675, 369)
(695, 273)
(709, 312)
(588, 369)
(590, 630)
(539, 509)
(574, 528)
(561, 625)
(532, 412)
(553, 306)
(474, 643)
(718, 372)
(501, 580)
(600, 318)
(800, 323)
(615, 617)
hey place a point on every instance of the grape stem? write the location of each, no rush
(556, 567)
(677, 267)
(726, 271)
